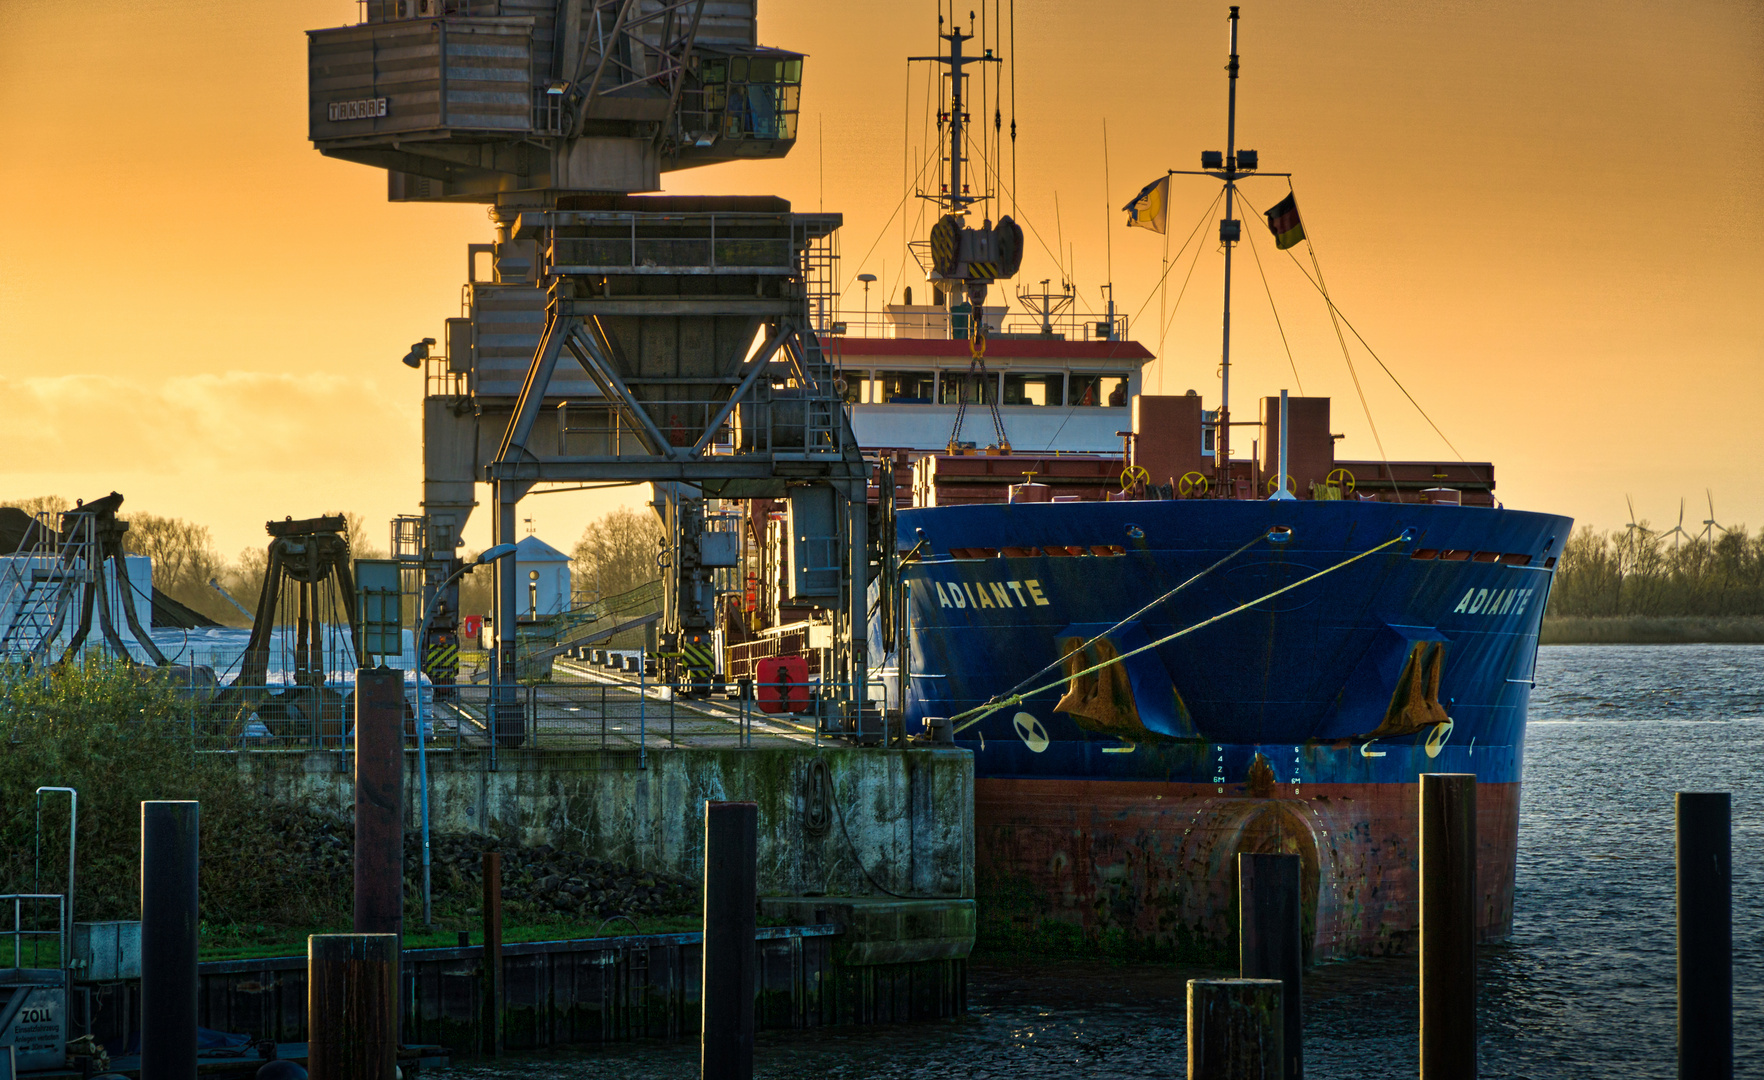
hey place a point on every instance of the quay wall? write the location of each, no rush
(833, 821)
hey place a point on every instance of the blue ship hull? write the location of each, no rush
(1299, 722)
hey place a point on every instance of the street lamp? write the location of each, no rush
(486, 558)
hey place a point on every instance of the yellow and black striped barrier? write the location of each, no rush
(697, 656)
(442, 660)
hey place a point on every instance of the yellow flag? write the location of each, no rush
(1147, 208)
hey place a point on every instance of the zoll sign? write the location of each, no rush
(362, 109)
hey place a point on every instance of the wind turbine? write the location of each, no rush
(1677, 531)
(1710, 526)
(1632, 528)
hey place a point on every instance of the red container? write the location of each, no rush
(782, 686)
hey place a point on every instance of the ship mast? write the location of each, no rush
(958, 199)
(955, 200)
(966, 258)
(1230, 166)
(1229, 231)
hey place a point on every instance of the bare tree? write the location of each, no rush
(361, 545)
(244, 579)
(617, 553)
(53, 504)
(183, 560)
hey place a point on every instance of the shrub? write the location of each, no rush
(120, 735)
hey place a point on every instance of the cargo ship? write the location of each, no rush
(1162, 654)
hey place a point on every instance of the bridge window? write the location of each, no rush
(1104, 390)
(904, 387)
(957, 387)
(1035, 388)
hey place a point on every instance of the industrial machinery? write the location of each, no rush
(75, 559)
(309, 593)
(609, 336)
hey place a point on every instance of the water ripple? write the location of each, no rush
(1586, 988)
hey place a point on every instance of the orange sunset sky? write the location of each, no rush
(1545, 217)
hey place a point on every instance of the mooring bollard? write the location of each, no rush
(1235, 1030)
(731, 855)
(352, 1006)
(1270, 942)
(1705, 936)
(379, 801)
(169, 873)
(1448, 926)
(492, 953)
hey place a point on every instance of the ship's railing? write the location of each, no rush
(1069, 326)
(379, 11)
(936, 325)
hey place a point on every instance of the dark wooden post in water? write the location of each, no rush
(379, 801)
(169, 873)
(352, 1006)
(1448, 926)
(731, 855)
(1270, 942)
(1235, 1031)
(1705, 936)
(492, 953)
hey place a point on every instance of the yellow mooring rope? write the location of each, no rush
(988, 709)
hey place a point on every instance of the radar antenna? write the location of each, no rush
(1047, 304)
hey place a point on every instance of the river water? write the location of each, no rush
(1584, 989)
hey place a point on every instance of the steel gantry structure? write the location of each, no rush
(608, 335)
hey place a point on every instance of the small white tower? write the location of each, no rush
(542, 574)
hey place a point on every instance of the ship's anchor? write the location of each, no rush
(1414, 705)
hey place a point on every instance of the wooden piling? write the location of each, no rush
(379, 801)
(1705, 936)
(1448, 926)
(731, 852)
(169, 875)
(352, 1006)
(1270, 940)
(1235, 1029)
(492, 1043)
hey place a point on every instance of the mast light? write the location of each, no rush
(1212, 159)
(1246, 160)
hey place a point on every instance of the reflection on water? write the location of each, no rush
(1584, 989)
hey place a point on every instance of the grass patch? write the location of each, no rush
(264, 941)
(1652, 630)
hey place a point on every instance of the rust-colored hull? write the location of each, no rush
(1150, 867)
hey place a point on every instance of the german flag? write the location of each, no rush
(1284, 223)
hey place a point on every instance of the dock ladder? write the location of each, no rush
(38, 589)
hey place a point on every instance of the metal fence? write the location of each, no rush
(36, 937)
(637, 717)
(623, 712)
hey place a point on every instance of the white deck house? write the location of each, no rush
(1054, 395)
